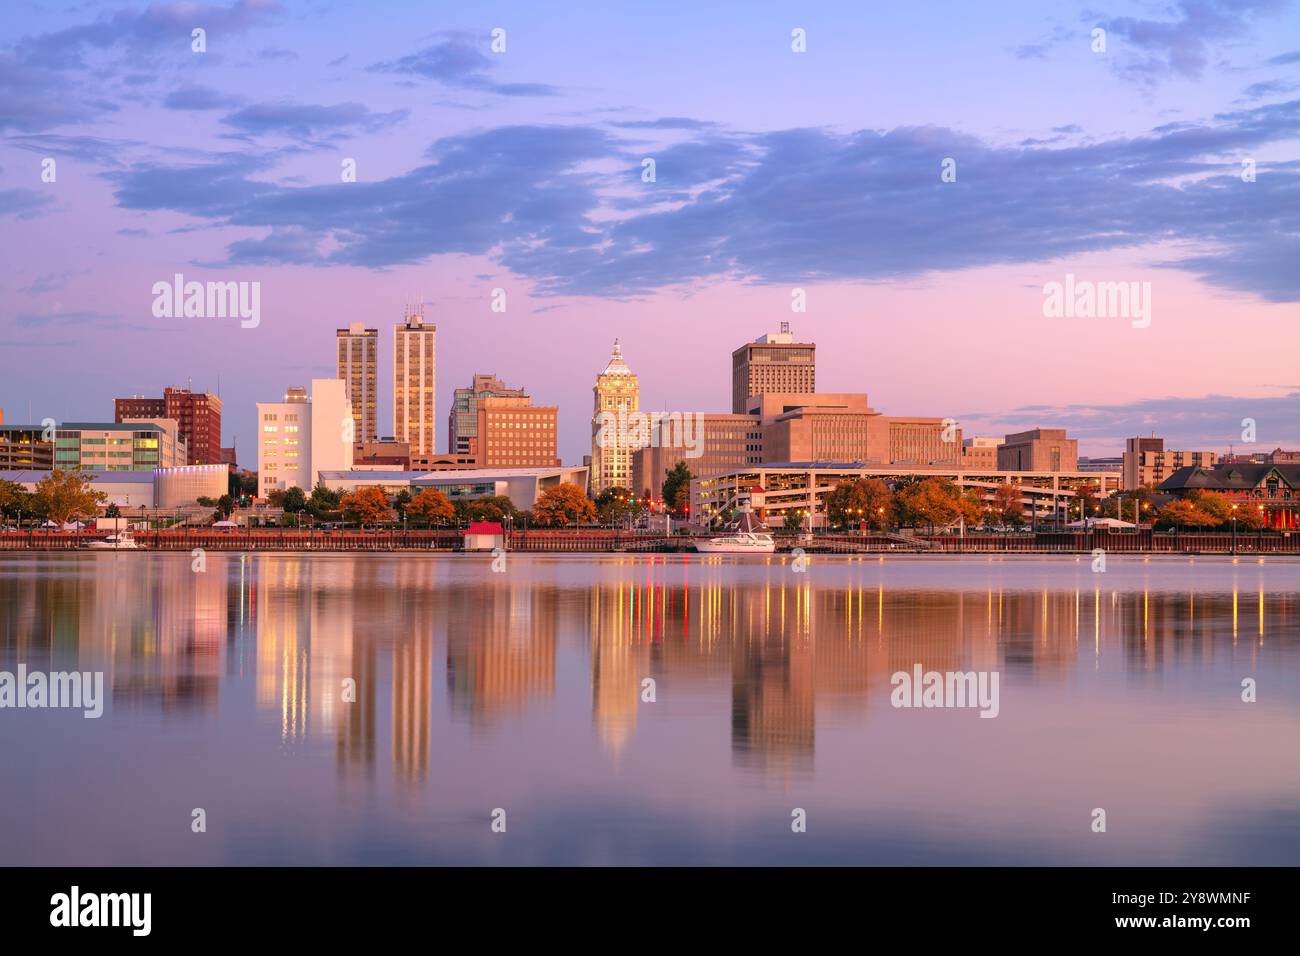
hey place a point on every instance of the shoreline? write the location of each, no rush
(784, 555)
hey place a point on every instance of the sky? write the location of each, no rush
(921, 172)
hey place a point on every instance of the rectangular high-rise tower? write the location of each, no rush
(774, 362)
(358, 367)
(414, 383)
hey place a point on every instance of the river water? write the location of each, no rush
(659, 709)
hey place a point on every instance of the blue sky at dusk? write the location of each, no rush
(522, 170)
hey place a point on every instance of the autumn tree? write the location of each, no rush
(1249, 518)
(861, 499)
(65, 496)
(564, 504)
(366, 506)
(429, 507)
(972, 508)
(930, 502)
(1182, 514)
(1007, 504)
(1215, 505)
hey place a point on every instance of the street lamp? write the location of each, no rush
(1234, 529)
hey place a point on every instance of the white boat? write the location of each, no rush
(741, 542)
(121, 541)
(746, 535)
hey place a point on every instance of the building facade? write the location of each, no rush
(197, 415)
(462, 420)
(301, 436)
(980, 453)
(842, 426)
(522, 486)
(357, 350)
(802, 488)
(1147, 462)
(26, 448)
(1272, 491)
(415, 405)
(728, 443)
(515, 433)
(617, 393)
(119, 446)
(176, 488)
(774, 362)
(1039, 449)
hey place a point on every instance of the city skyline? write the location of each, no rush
(522, 171)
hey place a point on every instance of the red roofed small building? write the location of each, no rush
(484, 536)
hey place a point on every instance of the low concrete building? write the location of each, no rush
(176, 487)
(842, 426)
(1039, 449)
(522, 486)
(802, 487)
(24, 447)
(1147, 462)
(980, 453)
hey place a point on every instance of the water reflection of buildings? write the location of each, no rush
(298, 626)
(793, 648)
(500, 648)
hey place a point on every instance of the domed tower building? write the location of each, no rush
(618, 394)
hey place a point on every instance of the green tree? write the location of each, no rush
(324, 501)
(113, 511)
(65, 496)
(675, 480)
(225, 505)
(294, 500)
(488, 508)
(615, 504)
(12, 495)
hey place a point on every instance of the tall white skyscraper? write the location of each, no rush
(415, 383)
(300, 437)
